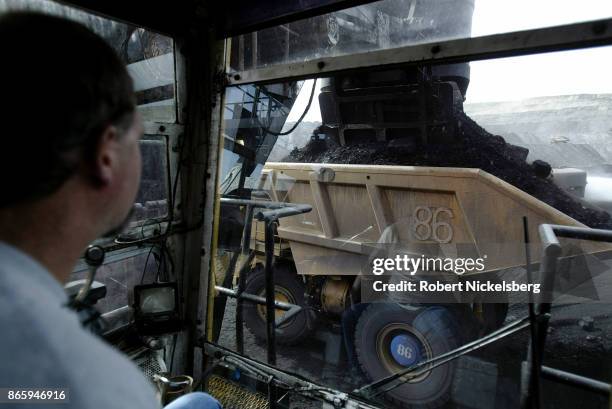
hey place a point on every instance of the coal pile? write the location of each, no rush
(475, 148)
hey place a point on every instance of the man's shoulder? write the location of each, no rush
(117, 378)
(44, 345)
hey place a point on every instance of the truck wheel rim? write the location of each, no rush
(400, 346)
(281, 294)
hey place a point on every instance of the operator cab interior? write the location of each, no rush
(288, 146)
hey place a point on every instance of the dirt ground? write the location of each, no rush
(569, 347)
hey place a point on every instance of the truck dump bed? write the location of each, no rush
(357, 207)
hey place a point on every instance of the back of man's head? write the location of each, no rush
(63, 85)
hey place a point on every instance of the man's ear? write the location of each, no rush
(105, 159)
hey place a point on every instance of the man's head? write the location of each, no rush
(68, 125)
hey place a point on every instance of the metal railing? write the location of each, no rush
(533, 369)
(269, 213)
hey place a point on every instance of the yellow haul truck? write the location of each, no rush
(323, 257)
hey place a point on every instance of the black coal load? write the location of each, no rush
(476, 148)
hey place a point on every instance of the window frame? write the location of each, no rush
(518, 43)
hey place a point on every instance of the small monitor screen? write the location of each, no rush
(156, 300)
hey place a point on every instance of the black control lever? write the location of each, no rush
(94, 257)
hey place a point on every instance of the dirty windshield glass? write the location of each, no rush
(391, 208)
(149, 58)
(395, 23)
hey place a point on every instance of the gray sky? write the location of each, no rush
(584, 71)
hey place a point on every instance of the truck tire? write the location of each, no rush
(494, 316)
(290, 289)
(390, 338)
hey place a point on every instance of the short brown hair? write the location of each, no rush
(62, 85)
